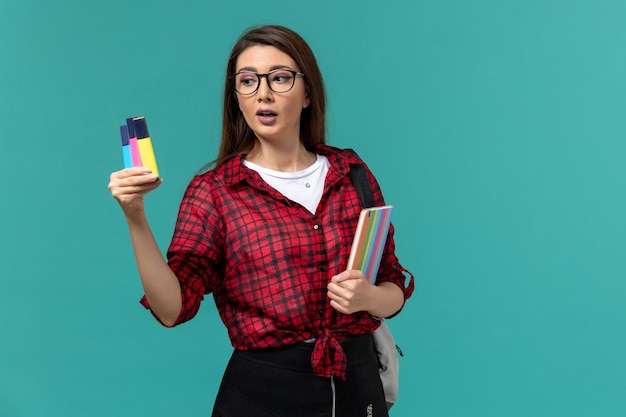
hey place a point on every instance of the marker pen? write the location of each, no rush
(128, 158)
(132, 142)
(145, 144)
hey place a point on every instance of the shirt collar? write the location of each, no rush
(234, 171)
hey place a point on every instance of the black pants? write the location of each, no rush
(281, 383)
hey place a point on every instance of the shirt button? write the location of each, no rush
(321, 268)
(317, 226)
(320, 313)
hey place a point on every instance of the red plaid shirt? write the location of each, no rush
(267, 260)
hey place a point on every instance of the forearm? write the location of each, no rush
(160, 284)
(386, 300)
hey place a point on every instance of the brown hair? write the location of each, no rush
(237, 137)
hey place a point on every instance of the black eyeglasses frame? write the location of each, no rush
(267, 79)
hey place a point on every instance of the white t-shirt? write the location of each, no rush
(304, 187)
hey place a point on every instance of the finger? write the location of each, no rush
(343, 296)
(135, 172)
(338, 307)
(149, 182)
(141, 179)
(132, 190)
(338, 300)
(133, 180)
(347, 275)
(129, 190)
(337, 290)
(128, 172)
(344, 309)
(342, 276)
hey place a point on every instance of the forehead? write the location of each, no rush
(263, 58)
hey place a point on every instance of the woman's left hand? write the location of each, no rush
(350, 292)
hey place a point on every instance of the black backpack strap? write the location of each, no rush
(361, 182)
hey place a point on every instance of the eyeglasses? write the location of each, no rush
(279, 81)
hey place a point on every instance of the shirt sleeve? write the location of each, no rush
(195, 252)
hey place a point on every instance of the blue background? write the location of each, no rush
(496, 128)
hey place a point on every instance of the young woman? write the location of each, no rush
(268, 232)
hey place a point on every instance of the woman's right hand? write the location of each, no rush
(128, 186)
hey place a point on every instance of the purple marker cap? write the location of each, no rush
(131, 127)
(141, 127)
(124, 133)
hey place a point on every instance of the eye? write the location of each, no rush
(281, 77)
(247, 79)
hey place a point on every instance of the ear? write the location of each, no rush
(307, 102)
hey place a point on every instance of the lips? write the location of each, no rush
(265, 113)
(266, 116)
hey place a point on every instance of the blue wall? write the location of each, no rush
(496, 128)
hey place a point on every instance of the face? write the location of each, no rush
(272, 116)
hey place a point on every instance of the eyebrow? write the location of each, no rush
(274, 67)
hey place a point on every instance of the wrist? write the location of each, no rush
(136, 218)
(376, 295)
(387, 300)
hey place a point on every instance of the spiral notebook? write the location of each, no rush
(369, 240)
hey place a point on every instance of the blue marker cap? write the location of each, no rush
(141, 127)
(131, 127)
(124, 134)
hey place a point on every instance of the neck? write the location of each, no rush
(286, 158)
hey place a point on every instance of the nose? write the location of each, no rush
(264, 92)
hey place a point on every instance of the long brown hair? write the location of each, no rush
(237, 137)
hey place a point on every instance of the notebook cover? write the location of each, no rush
(369, 240)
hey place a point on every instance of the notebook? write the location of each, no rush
(369, 240)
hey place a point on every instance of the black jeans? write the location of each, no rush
(281, 383)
